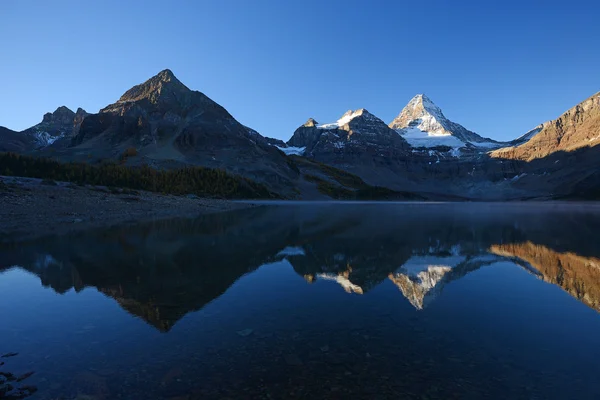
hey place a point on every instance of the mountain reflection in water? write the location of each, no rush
(161, 271)
(303, 301)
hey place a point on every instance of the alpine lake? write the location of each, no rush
(311, 301)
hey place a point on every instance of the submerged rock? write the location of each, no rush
(245, 332)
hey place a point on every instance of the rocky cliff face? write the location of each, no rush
(306, 136)
(577, 128)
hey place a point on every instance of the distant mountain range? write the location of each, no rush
(420, 151)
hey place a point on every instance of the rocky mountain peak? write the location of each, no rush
(423, 104)
(349, 116)
(63, 110)
(423, 112)
(421, 119)
(357, 132)
(63, 122)
(166, 75)
(310, 123)
(62, 115)
(164, 86)
(78, 118)
(355, 113)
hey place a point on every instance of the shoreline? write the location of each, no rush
(31, 208)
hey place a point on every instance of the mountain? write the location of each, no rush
(15, 141)
(423, 124)
(162, 123)
(438, 157)
(171, 126)
(559, 157)
(577, 128)
(364, 145)
(159, 123)
(60, 124)
(356, 135)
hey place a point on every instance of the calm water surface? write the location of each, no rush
(336, 301)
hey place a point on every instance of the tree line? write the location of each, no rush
(200, 181)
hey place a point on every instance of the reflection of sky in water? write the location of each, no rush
(239, 309)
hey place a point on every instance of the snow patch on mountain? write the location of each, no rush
(45, 139)
(488, 145)
(418, 138)
(346, 118)
(290, 150)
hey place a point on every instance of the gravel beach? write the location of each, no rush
(32, 208)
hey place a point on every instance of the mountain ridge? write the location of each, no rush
(577, 127)
(164, 124)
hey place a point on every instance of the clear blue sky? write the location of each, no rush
(498, 69)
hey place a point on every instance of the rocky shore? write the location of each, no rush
(32, 208)
(12, 386)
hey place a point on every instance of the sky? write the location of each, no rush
(499, 68)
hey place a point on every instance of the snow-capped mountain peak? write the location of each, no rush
(356, 132)
(423, 124)
(422, 113)
(423, 106)
(347, 117)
